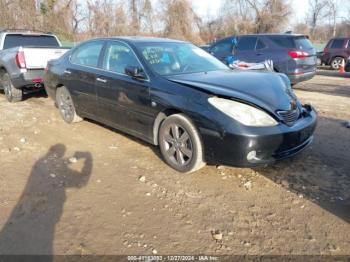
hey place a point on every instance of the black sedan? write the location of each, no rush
(176, 95)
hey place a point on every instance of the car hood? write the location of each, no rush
(267, 90)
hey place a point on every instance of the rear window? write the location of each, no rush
(303, 43)
(337, 43)
(298, 42)
(282, 41)
(14, 40)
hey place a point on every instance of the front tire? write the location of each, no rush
(66, 106)
(12, 94)
(180, 144)
(336, 63)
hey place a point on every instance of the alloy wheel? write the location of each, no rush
(66, 106)
(178, 145)
(336, 63)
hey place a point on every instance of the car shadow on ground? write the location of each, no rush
(334, 73)
(30, 95)
(155, 149)
(321, 173)
(30, 227)
(329, 89)
(35, 94)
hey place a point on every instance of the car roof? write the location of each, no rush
(143, 39)
(24, 32)
(340, 37)
(273, 34)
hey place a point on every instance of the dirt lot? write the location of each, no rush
(76, 189)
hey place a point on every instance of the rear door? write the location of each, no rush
(336, 48)
(80, 76)
(245, 50)
(262, 52)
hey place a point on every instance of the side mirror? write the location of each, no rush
(135, 72)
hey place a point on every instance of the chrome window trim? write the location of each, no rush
(105, 42)
(86, 43)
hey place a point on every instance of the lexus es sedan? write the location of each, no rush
(177, 96)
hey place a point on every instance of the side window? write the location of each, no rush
(246, 43)
(222, 47)
(260, 45)
(118, 56)
(337, 43)
(87, 54)
(283, 41)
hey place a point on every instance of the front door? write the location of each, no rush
(124, 102)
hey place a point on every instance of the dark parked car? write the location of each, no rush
(291, 54)
(336, 51)
(176, 95)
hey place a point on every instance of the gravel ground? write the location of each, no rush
(87, 189)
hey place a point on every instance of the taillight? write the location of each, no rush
(20, 59)
(46, 69)
(298, 54)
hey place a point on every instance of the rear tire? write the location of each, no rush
(12, 94)
(66, 106)
(180, 144)
(336, 62)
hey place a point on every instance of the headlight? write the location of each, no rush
(245, 114)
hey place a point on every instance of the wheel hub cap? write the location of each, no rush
(178, 145)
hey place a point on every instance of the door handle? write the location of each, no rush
(67, 72)
(101, 80)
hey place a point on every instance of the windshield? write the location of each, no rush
(178, 58)
(14, 40)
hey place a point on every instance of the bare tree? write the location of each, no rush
(180, 20)
(270, 15)
(135, 23)
(77, 16)
(333, 6)
(317, 9)
(254, 16)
